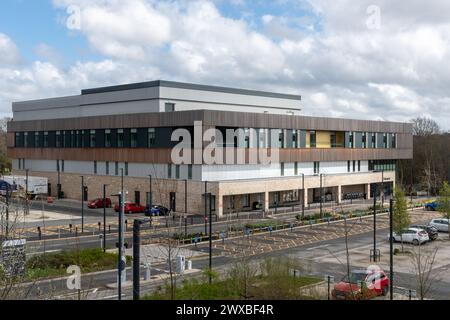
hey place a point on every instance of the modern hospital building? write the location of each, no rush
(103, 131)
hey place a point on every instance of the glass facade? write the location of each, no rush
(382, 165)
(160, 138)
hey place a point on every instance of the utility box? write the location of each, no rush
(181, 264)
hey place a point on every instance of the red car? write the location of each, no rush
(363, 284)
(131, 207)
(98, 203)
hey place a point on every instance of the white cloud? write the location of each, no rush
(330, 57)
(9, 54)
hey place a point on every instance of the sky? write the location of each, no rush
(365, 59)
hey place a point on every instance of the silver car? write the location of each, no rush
(415, 236)
(440, 223)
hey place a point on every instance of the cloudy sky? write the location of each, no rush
(374, 59)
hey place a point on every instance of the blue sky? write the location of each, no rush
(330, 52)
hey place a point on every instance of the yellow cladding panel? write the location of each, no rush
(340, 138)
(323, 139)
(308, 145)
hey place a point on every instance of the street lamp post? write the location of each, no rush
(150, 195)
(210, 239)
(104, 217)
(321, 196)
(26, 192)
(82, 204)
(391, 250)
(303, 200)
(374, 222)
(206, 207)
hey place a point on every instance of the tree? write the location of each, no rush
(401, 218)
(422, 262)
(425, 126)
(443, 202)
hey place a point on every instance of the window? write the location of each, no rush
(92, 139)
(359, 165)
(246, 200)
(294, 139)
(190, 171)
(116, 169)
(57, 165)
(62, 165)
(350, 140)
(333, 141)
(296, 168)
(73, 138)
(364, 140)
(393, 144)
(25, 140)
(45, 139)
(20, 164)
(281, 139)
(36, 140)
(170, 107)
(58, 139)
(107, 168)
(126, 168)
(354, 165)
(385, 140)
(120, 138)
(133, 137)
(95, 167)
(316, 167)
(169, 171)
(247, 138)
(312, 139)
(177, 171)
(282, 169)
(151, 137)
(16, 142)
(82, 138)
(373, 140)
(348, 166)
(108, 138)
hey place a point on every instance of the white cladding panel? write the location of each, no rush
(204, 173)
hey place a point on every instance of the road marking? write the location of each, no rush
(318, 247)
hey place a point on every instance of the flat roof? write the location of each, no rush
(189, 86)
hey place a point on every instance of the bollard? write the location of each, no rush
(59, 233)
(126, 225)
(147, 272)
(99, 227)
(76, 231)
(109, 228)
(39, 233)
(70, 228)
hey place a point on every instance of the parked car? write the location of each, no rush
(374, 281)
(431, 206)
(98, 203)
(416, 236)
(433, 233)
(156, 210)
(441, 224)
(131, 207)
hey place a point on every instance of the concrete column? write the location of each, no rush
(266, 201)
(339, 194)
(367, 191)
(305, 196)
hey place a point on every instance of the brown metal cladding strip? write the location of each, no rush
(139, 155)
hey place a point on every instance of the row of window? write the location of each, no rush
(160, 137)
(170, 171)
(382, 165)
(109, 138)
(349, 165)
